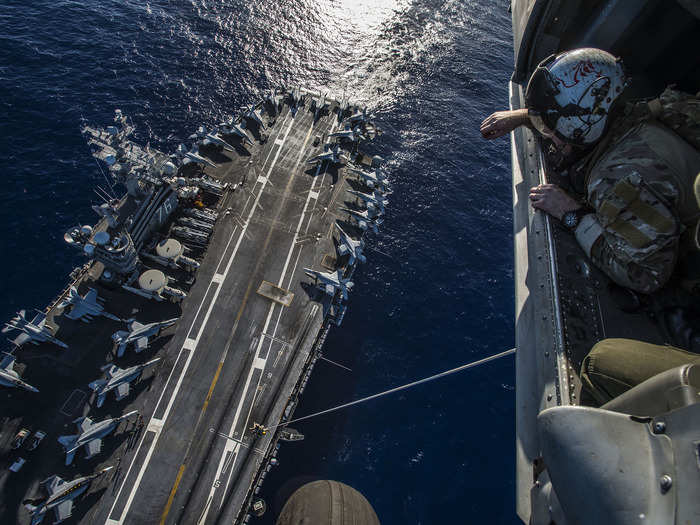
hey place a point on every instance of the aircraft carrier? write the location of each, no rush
(217, 277)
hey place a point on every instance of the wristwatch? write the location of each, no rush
(572, 218)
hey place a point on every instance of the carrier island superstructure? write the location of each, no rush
(206, 295)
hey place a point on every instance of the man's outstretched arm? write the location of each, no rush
(503, 122)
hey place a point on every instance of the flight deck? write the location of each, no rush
(269, 283)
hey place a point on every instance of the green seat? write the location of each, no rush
(613, 366)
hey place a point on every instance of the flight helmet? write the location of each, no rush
(571, 94)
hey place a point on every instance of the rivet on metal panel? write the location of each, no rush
(665, 483)
(659, 427)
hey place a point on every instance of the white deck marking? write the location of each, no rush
(136, 485)
(218, 278)
(231, 446)
(189, 344)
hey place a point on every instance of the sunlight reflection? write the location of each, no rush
(365, 13)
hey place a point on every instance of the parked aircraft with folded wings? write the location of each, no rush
(192, 155)
(8, 375)
(319, 104)
(348, 245)
(375, 202)
(117, 379)
(376, 180)
(343, 106)
(352, 135)
(358, 116)
(296, 97)
(85, 308)
(365, 219)
(253, 114)
(274, 99)
(60, 497)
(330, 155)
(90, 435)
(205, 137)
(237, 129)
(330, 282)
(34, 331)
(138, 335)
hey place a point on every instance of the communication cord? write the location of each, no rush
(398, 388)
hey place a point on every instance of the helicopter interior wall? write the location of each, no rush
(657, 39)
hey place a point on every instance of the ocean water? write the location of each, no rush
(437, 290)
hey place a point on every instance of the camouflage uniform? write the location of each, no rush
(639, 180)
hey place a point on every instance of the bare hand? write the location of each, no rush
(553, 200)
(502, 122)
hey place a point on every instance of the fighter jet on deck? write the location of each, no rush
(138, 335)
(60, 497)
(348, 245)
(375, 180)
(353, 135)
(117, 379)
(331, 155)
(253, 114)
(296, 97)
(275, 100)
(35, 331)
(375, 202)
(8, 376)
(206, 137)
(358, 116)
(85, 308)
(319, 104)
(330, 282)
(365, 219)
(192, 156)
(343, 106)
(233, 128)
(90, 435)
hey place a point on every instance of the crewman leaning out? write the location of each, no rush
(637, 164)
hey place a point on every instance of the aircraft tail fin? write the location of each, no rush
(67, 441)
(100, 400)
(97, 384)
(69, 457)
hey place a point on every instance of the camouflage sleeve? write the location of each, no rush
(646, 275)
(635, 230)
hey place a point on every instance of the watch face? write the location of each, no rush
(570, 219)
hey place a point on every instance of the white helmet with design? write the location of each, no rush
(571, 93)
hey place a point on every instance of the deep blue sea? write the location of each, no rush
(436, 292)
